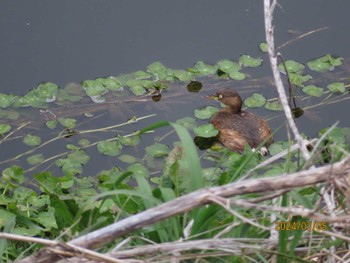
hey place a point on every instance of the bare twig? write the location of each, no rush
(268, 11)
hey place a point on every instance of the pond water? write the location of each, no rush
(72, 41)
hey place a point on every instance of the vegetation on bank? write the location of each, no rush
(74, 203)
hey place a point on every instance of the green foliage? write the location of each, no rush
(71, 198)
(255, 100)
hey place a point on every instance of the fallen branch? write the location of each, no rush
(201, 197)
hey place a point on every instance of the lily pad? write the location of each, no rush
(6, 100)
(325, 63)
(312, 90)
(236, 75)
(68, 123)
(263, 47)
(206, 131)
(139, 169)
(137, 90)
(156, 68)
(337, 87)
(129, 141)
(228, 66)
(35, 159)
(93, 88)
(79, 156)
(13, 173)
(126, 158)
(274, 106)
(187, 122)
(157, 150)
(142, 75)
(32, 140)
(205, 113)
(183, 75)
(292, 67)
(255, 100)
(204, 69)
(110, 148)
(248, 61)
(51, 124)
(4, 128)
(298, 79)
(112, 83)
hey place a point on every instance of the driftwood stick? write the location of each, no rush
(268, 11)
(201, 197)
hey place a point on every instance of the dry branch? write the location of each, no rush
(268, 11)
(201, 197)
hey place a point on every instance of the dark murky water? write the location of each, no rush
(69, 41)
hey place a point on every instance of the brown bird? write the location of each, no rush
(237, 127)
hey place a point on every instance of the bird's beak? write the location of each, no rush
(212, 97)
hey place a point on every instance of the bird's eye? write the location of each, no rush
(220, 96)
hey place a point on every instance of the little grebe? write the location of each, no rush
(237, 127)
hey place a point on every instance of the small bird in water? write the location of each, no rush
(237, 127)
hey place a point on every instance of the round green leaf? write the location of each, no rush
(255, 100)
(7, 100)
(15, 173)
(4, 128)
(112, 148)
(205, 113)
(129, 141)
(183, 75)
(126, 158)
(236, 75)
(35, 159)
(337, 87)
(228, 66)
(206, 131)
(156, 68)
(274, 105)
(312, 90)
(263, 47)
(84, 142)
(248, 61)
(325, 63)
(204, 69)
(32, 140)
(157, 150)
(142, 75)
(93, 88)
(139, 169)
(51, 124)
(137, 90)
(67, 122)
(292, 67)
(187, 122)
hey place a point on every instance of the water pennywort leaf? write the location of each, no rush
(274, 106)
(263, 47)
(157, 150)
(248, 61)
(205, 113)
(35, 159)
(206, 131)
(110, 148)
(292, 67)
(255, 100)
(68, 123)
(4, 128)
(325, 63)
(32, 140)
(312, 90)
(6, 100)
(336, 87)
